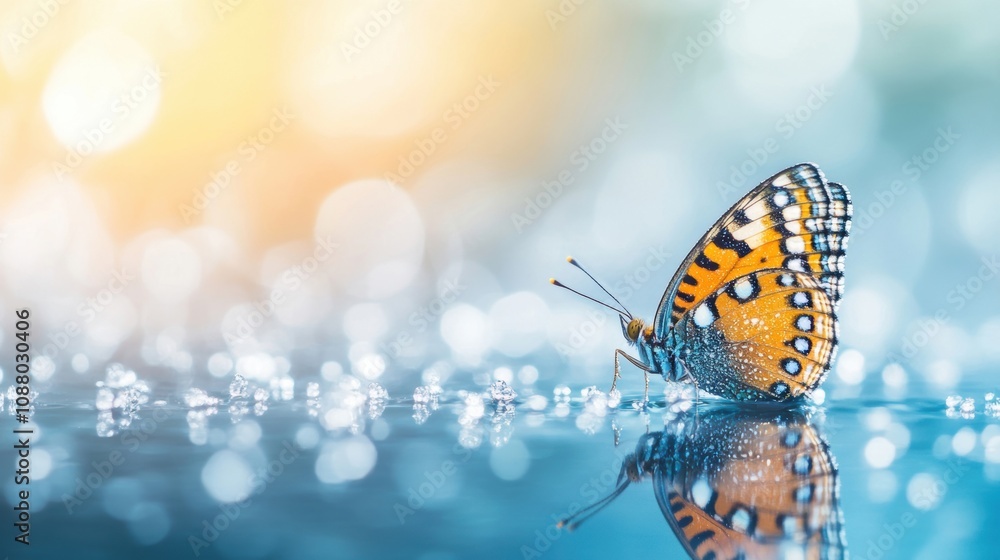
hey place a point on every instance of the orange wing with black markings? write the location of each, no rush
(794, 220)
(754, 489)
(768, 334)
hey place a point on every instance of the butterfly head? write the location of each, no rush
(631, 468)
(631, 328)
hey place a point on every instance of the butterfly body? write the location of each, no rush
(750, 315)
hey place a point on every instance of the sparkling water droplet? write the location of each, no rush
(420, 413)
(951, 401)
(105, 399)
(377, 392)
(105, 424)
(143, 388)
(614, 398)
(118, 376)
(237, 410)
(473, 409)
(260, 394)
(595, 401)
(421, 395)
(501, 392)
(131, 398)
(312, 390)
(377, 397)
(968, 405)
(195, 398)
(992, 408)
(989, 397)
(238, 387)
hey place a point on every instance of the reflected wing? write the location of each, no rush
(770, 334)
(795, 220)
(766, 490)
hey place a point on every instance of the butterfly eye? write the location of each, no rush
(632, 329)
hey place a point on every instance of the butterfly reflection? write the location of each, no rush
(734, 483)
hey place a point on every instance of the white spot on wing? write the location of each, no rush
(780, 199)
(795, 244)
(804, 323)
(701, 492)
(749, 230)
(743, 288)
(792, 366)
(792, 213)
(756, 210)
(703, 316)
(741, 520)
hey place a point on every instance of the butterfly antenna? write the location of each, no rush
(573, 262)
(555, 282)
(577, 519)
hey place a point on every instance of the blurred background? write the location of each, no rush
(165, 167)
(380, 189)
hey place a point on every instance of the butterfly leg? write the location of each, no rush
(645, 370)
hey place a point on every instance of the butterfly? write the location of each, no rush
(750, 315)
(741, 483)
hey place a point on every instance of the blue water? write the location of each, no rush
(459, 485)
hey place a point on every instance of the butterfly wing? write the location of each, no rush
(795, 220)
(753, 489)
(767, 335)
